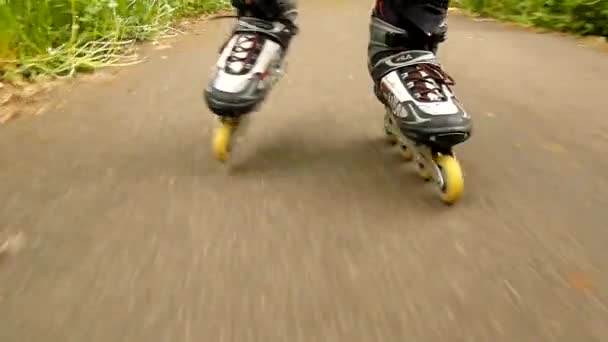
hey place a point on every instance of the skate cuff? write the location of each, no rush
(396, 39)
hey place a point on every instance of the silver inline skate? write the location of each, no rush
(250, 64)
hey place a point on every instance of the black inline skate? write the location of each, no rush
(249, 65)
(422, 114)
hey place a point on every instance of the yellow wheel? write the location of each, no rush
(406, 153)
(222, 141)
(453, 181)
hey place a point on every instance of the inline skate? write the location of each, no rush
(251, 62)
(422, 115)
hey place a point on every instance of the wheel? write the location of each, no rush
(406, 153)
(222, 140)
(453, 181)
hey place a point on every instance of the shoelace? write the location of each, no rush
(425, 80)
(243, 48)
(245, 44)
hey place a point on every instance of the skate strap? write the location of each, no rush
(401, 60)
(277, 31)
(401, 39)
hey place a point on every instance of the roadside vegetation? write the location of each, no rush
(61, 37)
(584, 17)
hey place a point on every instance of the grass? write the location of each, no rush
(62, 37)
(584, 17)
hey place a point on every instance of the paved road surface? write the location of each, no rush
(318, 232)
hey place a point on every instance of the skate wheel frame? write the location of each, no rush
(406, 152)
(443, 168)
(391, 139)
(423, 171)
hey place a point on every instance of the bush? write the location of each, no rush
(586, 17)
(59, 37)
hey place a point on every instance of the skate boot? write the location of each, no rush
(249, 65)
(422, 114)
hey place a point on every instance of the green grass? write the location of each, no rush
(585, 17)
(61, 37)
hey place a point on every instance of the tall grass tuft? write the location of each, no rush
(586, 17)
(61, 37)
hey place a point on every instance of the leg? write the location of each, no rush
(408, 79)
(251, 58)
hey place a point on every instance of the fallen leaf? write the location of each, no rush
(554, 147)
(163, 47)
(12, 245)
(9, 113)
(5, 98)
(41, 110)
(580, 281)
